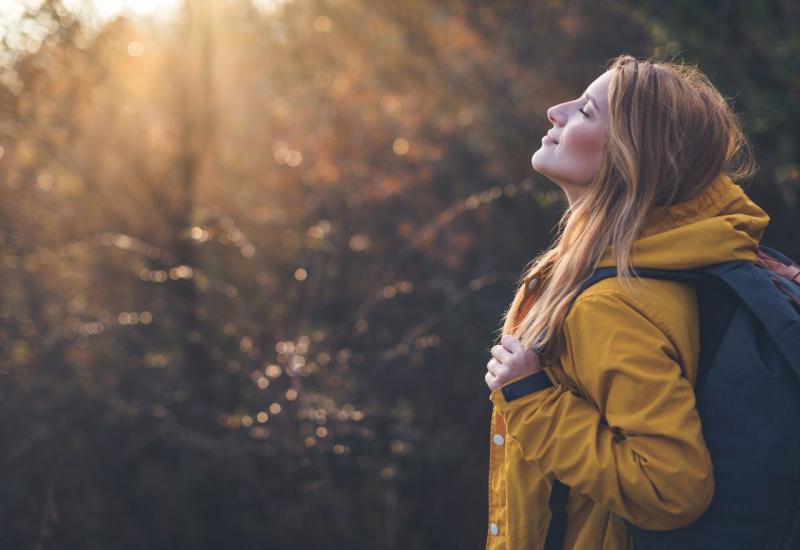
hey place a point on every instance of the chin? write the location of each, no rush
(540, 166)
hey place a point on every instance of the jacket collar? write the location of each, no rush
(720, 224)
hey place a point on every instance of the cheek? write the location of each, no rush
(583, 141)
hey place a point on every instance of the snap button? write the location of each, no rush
(494, 529)
(498, 439)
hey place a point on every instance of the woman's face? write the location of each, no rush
(571, 155)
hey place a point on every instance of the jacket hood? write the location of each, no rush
(720, 224)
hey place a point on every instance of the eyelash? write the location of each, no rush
(583, 112)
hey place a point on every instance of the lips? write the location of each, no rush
(552, 137)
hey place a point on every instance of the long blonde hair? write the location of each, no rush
(670, 134)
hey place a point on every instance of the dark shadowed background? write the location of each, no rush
(254, 254)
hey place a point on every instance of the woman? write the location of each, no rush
(595, 389)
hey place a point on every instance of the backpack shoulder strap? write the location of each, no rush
(687, 275)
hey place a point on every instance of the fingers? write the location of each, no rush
(500, 353)
(509, 359)
(491, 380)
(494, 366)
(511, 343)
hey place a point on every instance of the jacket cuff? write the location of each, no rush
(521, 386)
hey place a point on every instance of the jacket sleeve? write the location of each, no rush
(635, 445)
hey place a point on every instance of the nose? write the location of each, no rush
(551, 115)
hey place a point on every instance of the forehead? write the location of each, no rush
(598, 90)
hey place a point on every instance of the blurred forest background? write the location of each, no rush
(253, 258)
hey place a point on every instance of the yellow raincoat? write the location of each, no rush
(619, 424)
